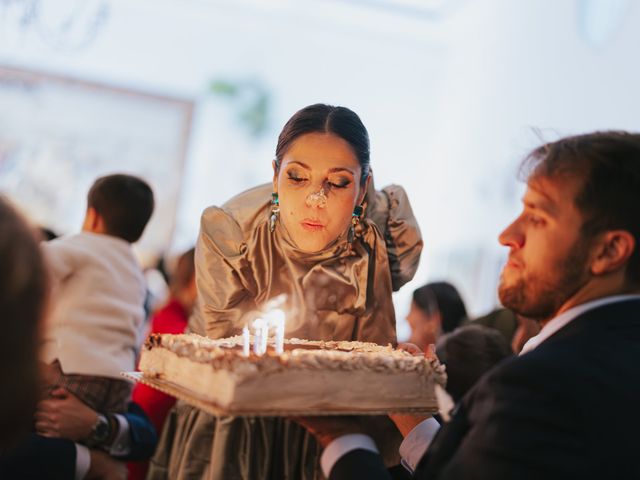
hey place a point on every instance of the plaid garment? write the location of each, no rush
(102, 394)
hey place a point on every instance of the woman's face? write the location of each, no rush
(318, 187)
(425, 329)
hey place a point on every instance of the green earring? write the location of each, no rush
(355, 220)
(275, 211)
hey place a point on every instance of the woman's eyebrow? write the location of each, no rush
(341, 169)
(303, 165)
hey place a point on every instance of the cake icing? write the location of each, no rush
(308, 375)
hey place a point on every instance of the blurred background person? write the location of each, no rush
(23, 291)
(515, 329)
(171, 318)
(468, 353)
(436, 308)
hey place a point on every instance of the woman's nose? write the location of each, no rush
(317, 199)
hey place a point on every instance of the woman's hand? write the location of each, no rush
(64, 416)
(404, 422)
(415, 350)
(411, 348)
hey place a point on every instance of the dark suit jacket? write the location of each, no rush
(44, 458)
(570, 409)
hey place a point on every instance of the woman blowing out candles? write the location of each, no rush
(319, 234)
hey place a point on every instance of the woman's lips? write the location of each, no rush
(312, 225)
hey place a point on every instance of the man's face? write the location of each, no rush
(548, 259)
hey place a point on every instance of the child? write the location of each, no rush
(95, 325)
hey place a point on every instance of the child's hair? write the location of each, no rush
(124, 202)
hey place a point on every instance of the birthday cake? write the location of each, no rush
(300, 376)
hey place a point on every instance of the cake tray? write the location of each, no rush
(192, 398)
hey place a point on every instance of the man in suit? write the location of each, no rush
(569, 405)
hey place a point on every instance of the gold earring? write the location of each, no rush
(355, 220)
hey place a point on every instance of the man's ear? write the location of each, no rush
(613, 251)
(275, 176)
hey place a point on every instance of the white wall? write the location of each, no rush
(449, 99)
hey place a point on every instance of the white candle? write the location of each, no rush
(246, 341)
(279, 324)
(264, 336)
(257, 335)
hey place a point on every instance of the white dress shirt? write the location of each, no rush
(417, 441)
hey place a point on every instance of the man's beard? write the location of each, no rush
(541, 298)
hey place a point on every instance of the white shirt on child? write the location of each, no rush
(97, 305)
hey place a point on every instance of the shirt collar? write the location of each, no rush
(568, 316)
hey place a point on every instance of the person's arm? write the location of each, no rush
(418, 433)
(141, 437)
(61, 258)
(37, 457)
(391, 211)
(223, 297)
(517, 420)
(348, 449)
(131, 436)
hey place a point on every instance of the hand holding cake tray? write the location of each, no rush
(247, 375)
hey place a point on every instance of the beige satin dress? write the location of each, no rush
(340, 293)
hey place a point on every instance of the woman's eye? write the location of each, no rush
(340, 184)
(295, 178)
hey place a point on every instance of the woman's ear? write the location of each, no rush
(274, 164)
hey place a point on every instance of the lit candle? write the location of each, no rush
(264, 336)
(246, 341)
(257, 335)
(278, 319)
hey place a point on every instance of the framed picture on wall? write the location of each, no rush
(57, 135)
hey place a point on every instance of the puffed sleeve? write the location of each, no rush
(223, 294)
(390, 209)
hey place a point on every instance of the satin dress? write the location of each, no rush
(340, 293)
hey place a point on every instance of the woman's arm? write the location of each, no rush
(391, 211)
(222, 293)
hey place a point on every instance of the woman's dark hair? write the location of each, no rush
(321, 118)
(608, 167)
(23, 292)
(468, 353)
(444, 298)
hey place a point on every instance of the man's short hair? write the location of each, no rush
(608, 166)
(124, 202)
